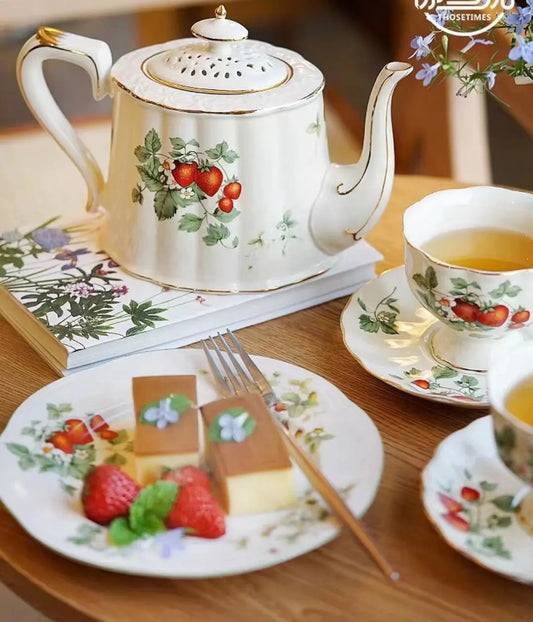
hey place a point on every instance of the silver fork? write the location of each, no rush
(234, 378)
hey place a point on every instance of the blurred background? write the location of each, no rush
(475, 139)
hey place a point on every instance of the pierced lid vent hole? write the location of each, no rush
(189, 57)
(250, 65)
(183, 69)
(262, 68)
(212, 65)
(226, 75)
(193, 72)
(217, 74)
(239, 74)
(204, 72)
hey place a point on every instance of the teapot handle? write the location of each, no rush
(95, 57)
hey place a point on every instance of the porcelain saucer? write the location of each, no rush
(467, 493)
(388, 331)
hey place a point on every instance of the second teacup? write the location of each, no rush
(510, 384)
(469, 261)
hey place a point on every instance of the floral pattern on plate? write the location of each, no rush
(467, 493)
(386, 329)
(339, 435)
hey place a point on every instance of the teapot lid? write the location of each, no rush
(220, 61)
(206, 73)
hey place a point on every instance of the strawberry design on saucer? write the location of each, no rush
(389, 332)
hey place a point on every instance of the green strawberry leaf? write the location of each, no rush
(164, 205)
(150, 176)
(120, 532)
(18, 450)
(362, 304)
(152, 142)
(431, 277)
(190, 223)
(115, 458)
(151, 507)
(420, 281)
(440, 371)
(504, 503)
(141, 153)
(459, 284)
(230, 156)
(178, 143)
(367, 324)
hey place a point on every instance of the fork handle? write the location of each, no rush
(336, 502)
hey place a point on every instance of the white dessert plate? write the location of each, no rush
(387, 330)
(467, 493)
(40, 483)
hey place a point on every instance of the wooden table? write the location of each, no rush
(335, 582)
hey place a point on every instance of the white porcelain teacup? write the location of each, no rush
(514, 437)
(480, 311)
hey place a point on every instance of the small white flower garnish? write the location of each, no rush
(232, 428)
(162, 415)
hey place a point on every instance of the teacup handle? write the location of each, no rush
(95, 57)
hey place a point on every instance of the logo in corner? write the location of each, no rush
(464, 18)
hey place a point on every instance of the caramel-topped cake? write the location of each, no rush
(166, 424)
(246, 454)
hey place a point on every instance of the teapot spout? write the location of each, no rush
(353, 196)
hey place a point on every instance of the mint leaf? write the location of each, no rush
(151, 507)
(120, 533)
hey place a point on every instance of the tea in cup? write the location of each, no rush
(469, 261)
(510, 384)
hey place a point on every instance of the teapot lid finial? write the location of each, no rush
(220, 12)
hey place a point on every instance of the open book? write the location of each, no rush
(76, 307)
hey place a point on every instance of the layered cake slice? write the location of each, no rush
(166, 424)
(246, 455)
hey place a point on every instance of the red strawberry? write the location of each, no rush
(456, 521)
(280, 407)
(98, 423)
(108, 435)
(209, 179)
(233, 190)
(469, 494)
(188, 475)
(467, 311)
(422, 384)
(450, 504)
(196, 510)
(521, 317)
(77, 432)
(225, 204)
(495, 317)
(108, 493)
(61, 440)
(184, 173)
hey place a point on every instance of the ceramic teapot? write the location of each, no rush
(219, 176)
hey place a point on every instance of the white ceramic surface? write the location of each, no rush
(476, 308)
(346, 444)
(219, 174)
(387, 330)
(467, 492)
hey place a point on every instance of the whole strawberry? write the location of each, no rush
(196, 510)
(187, 475)
(107, 493)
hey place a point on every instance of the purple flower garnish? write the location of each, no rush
(428, 73)
(522, 49)
(521, 18)
(170, 540)
(491, 79)
(440, 17)
(473, 42)
(50, 238)
(421, 45)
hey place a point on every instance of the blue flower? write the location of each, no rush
(491, 79)
(421, 45)
(473, 42)
(521, 18)
(50, 238)
(440, 17)
(71, 256)
(162, 415)
(522, 49)
(170, 540)
(232, 428)
(428, 73)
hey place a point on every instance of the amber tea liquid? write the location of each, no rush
(494, 250)
(519, 402)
